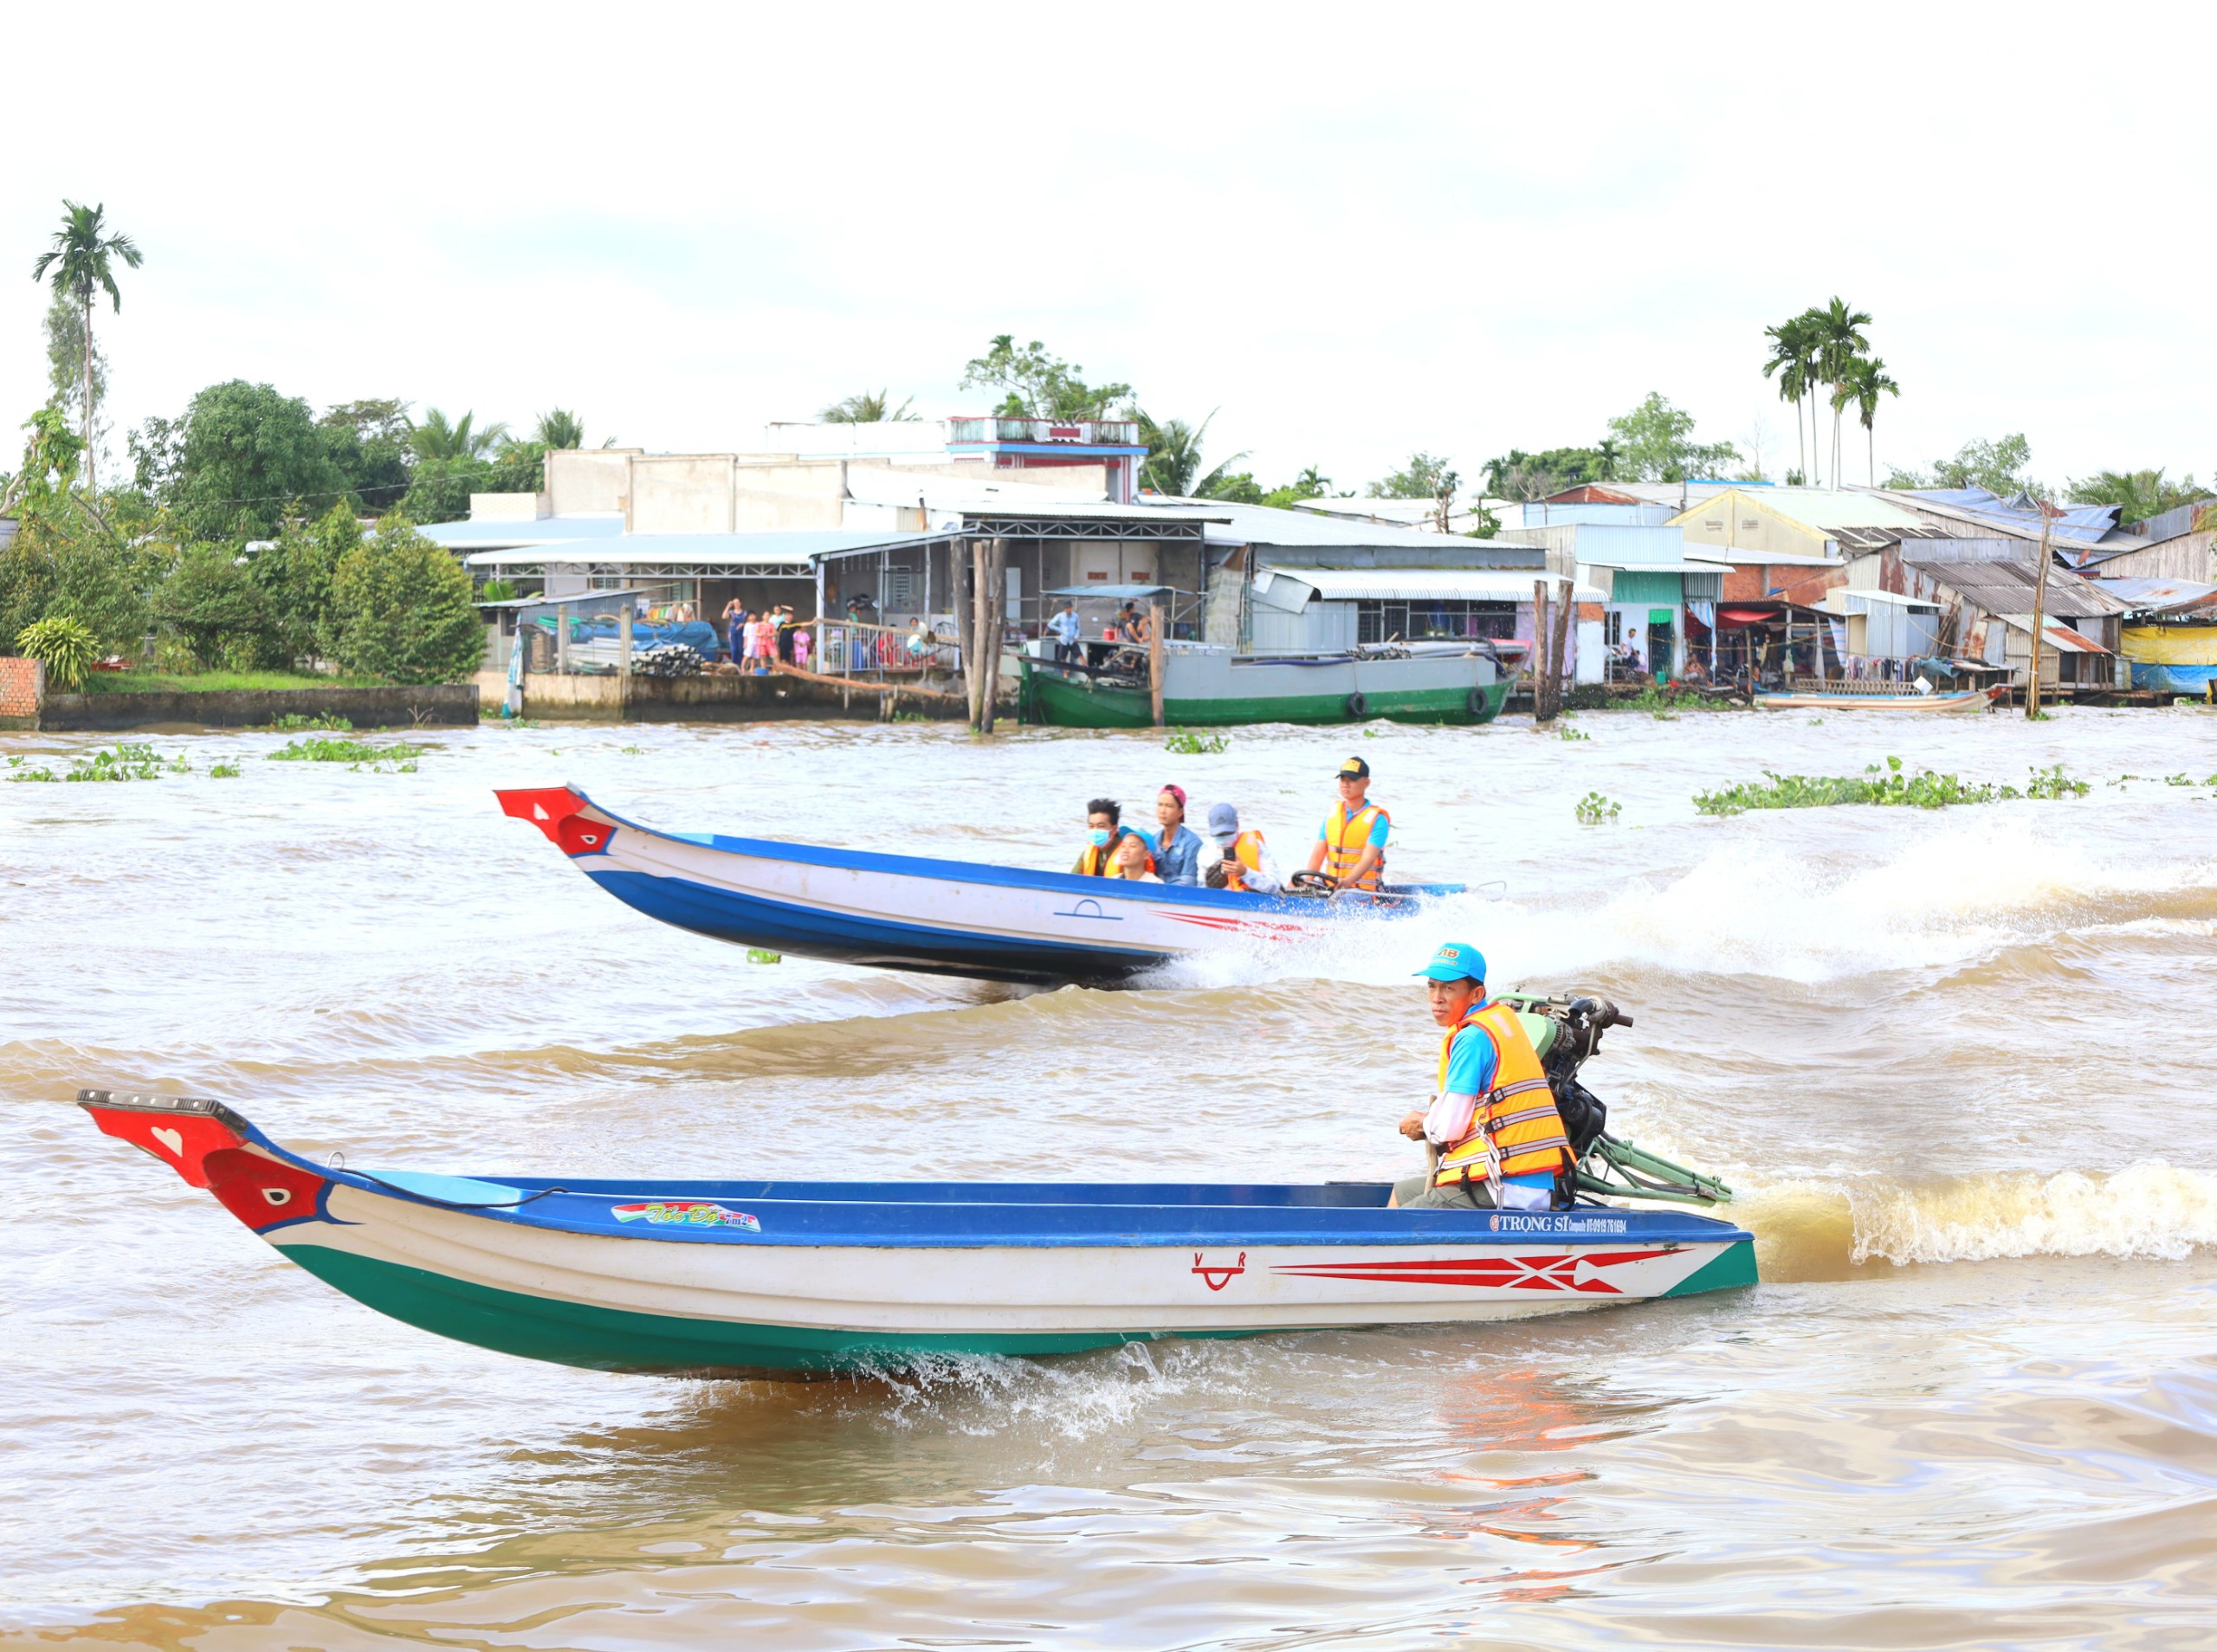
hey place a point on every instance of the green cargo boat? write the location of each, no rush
(1206, 687)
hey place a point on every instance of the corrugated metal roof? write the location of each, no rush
(545, 530)
(2160, 595)
(2004, 586)
(1842, 600)
(1822, 510)
(1265, 525)
(1425, 585)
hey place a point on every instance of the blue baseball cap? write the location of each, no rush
(1457, 961)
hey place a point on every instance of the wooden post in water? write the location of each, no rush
(1154, 659)
(1539, 669)
(2039, 622)
(623, 656)
(992, 622)
(1559, 648)
(963, 599)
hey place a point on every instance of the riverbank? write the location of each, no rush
(445, 705)
(789, 694)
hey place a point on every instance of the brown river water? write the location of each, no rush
(1957, 1062)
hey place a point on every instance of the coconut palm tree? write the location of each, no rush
(2138, 493)
(1792, 351)
(1838, 332)
(1866, 382)
(559, 430)
(1608, 455)
(1173, 457)
(435, 439)
(82, 259)
(868, 407)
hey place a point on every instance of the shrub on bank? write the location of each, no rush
(215, 605)
(400, 610)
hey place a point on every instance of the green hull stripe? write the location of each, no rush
(1069, 707)
(1732, 1266)
(573, 1334)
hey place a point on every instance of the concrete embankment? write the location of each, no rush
(432, 706)
(788, 695)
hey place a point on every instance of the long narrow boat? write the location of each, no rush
(901, 912)
(1213, 687)
(727, 1277)
(1970, 699)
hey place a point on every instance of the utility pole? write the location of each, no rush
(2039, 618)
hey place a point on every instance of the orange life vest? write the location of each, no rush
(1244, 855)
(1346, 837)
(1099, 860)
(1514, 1130)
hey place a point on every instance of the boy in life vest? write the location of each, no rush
(1493, 1121)
(1103, 817)
(1350, 846)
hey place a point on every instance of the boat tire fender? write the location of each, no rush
(1358, 707)
(1475, 702)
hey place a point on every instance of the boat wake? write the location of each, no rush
(1814, 1231)
(1948, 899)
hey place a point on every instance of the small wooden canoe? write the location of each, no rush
(1970, 699)
(905, 911)
(792, 1278)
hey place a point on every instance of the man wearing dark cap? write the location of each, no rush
(1493, 1119)
(1350, 846)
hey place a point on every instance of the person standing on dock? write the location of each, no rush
(735, 619)
(1492, 1120)
(1065, 627)
(1350, 846)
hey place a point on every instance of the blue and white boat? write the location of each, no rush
(901, 912)
(793, 1278)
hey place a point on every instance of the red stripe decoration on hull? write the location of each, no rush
(1510, 1273)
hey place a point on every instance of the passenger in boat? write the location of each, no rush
(1240, 861)
(1133, 861)
(1350, 846)
(1103, 826)
(1176, 846)
(1492, 1120)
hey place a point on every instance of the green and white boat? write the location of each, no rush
(1205, 687)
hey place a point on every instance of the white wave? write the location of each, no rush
(1942, 898)
(2147, 1210)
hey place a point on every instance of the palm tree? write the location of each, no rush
(1838, 333)
(435, 439)
(1607, 455)
(2138, 493)
(868, 407)
(81, 259)
(1173, 456)
(1791, 350)
(1865, 382)
(559, 430)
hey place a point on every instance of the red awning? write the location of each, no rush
(1732, 618)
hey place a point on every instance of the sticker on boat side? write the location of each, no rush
(1500, 1223)
(687, 1213)
(1218, 1274)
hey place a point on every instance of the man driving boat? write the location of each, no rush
(1350, 846)
(1493, 1119)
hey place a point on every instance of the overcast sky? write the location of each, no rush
(1355, 230)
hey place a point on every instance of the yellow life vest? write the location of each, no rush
(1244, 855)
(1346, 837)
(1093, 862)
(1515, 1121)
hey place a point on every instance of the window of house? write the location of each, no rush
(900, 586)
(1444, 619)
(1748, 524)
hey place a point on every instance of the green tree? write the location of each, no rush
(2139, 494)
(1838, 332)
(1311, 483)
(1793, 356)
(82, 260)
(1173, 461)
(214, 605)
(868, 407)
(436, 438)
(67, 373)
(240, 459)
(1038, 385)
(1526, 476)
(400, 610)
(1424, 476)
(1658, 444)
(368, 442)
(42, 482)
(1998, 467)
(295, 575)
(1866, 381)
(558, 429)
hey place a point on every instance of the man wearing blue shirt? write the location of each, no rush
(1065, 627)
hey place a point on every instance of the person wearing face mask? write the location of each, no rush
(1103, 817)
